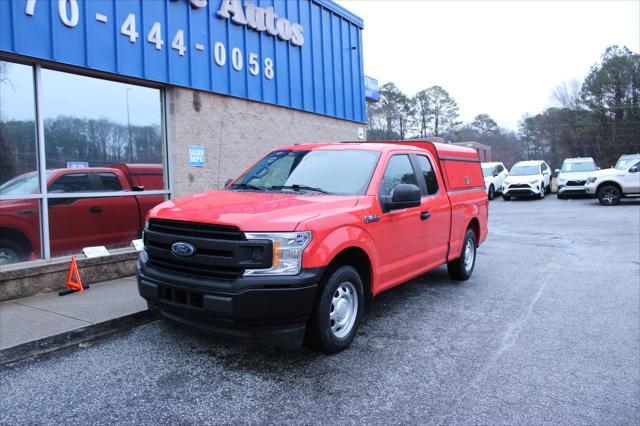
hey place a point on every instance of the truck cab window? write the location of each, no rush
(430, 179)
(110, 182)
(71, 182)
(399, 170)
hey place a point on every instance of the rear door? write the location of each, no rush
(632, 180)
(121, 213)
(74, 223)
(435, 213)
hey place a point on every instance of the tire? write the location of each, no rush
(560, 196)
(506, 197)
(10, 252)
(492, 192)
(609, 195)
(341, 297)
(461, 268)
(543, 190)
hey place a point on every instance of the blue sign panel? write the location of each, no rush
(196, 155)
(302, 54)
(371, 89)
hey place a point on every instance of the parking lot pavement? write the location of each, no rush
(546, 331)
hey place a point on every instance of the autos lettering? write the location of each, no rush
(261, 19)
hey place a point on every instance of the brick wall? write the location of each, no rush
(235, 133)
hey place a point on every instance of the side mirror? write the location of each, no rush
(556, 171)
(137, 188)
(227, 182)
(634, 169)
(495, 174)
(403, 196)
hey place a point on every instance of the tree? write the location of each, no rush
(485, 124)
(436, 112)
(567, 95)
(611, 91)
(388, 117)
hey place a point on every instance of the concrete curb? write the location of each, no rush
(70, 338)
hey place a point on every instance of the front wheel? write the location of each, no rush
(10, 252)
(492, 193)
(336, 316)
(506, 197)
(542, 192)
(609, 195)
(461, 268)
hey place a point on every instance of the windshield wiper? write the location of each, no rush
(297, 187)
(247, 186)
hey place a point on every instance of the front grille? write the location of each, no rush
(221, 252)
(519, 185)
(199, 271)
(576, 183)
(198, 230)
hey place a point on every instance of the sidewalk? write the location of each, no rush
(46, 322)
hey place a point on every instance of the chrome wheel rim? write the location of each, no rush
(344, 309)
(609, 196)
(8, 256)
(469, 255)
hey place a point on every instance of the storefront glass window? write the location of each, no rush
(19, 179)
(104, 153)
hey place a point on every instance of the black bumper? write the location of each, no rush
(264, 309)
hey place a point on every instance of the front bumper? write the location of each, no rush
(522, 189)
(591, 188)
(271, 310)
(575, 189)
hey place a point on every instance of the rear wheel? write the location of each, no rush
(492, 192)
(461, 268)
(336, 316)
(609, 195)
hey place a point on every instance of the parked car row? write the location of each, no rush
(577, 176)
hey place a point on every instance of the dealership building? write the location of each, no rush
(109, 106)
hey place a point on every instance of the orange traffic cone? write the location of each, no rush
(74, 283)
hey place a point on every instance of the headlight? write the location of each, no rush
(287, 252)
(562, 181)
(592, 179)
(533, 182)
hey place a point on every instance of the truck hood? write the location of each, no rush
(251, 211)
(564, 176)
(606, 172)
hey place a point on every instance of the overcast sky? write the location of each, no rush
(498, 57)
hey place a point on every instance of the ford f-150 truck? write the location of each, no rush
(77, 222)
(294, 247)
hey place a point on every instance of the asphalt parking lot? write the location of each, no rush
(546, 331)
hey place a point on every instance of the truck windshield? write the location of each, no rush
(23, 184)
(524, 170)
(584, 166)
(487, 171)
(345, 172)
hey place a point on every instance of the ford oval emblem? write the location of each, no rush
(182, 249)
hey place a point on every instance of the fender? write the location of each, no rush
(324, 249)
(462, 213)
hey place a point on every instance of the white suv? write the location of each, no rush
(494, 175)
(612, 184)
(573, 176)
(527, 178)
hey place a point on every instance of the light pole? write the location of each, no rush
(129, 126)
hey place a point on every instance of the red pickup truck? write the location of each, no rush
(77, 222)
(294, 247)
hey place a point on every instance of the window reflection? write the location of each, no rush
(19, 231)
(17, 130)
(90, 122)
